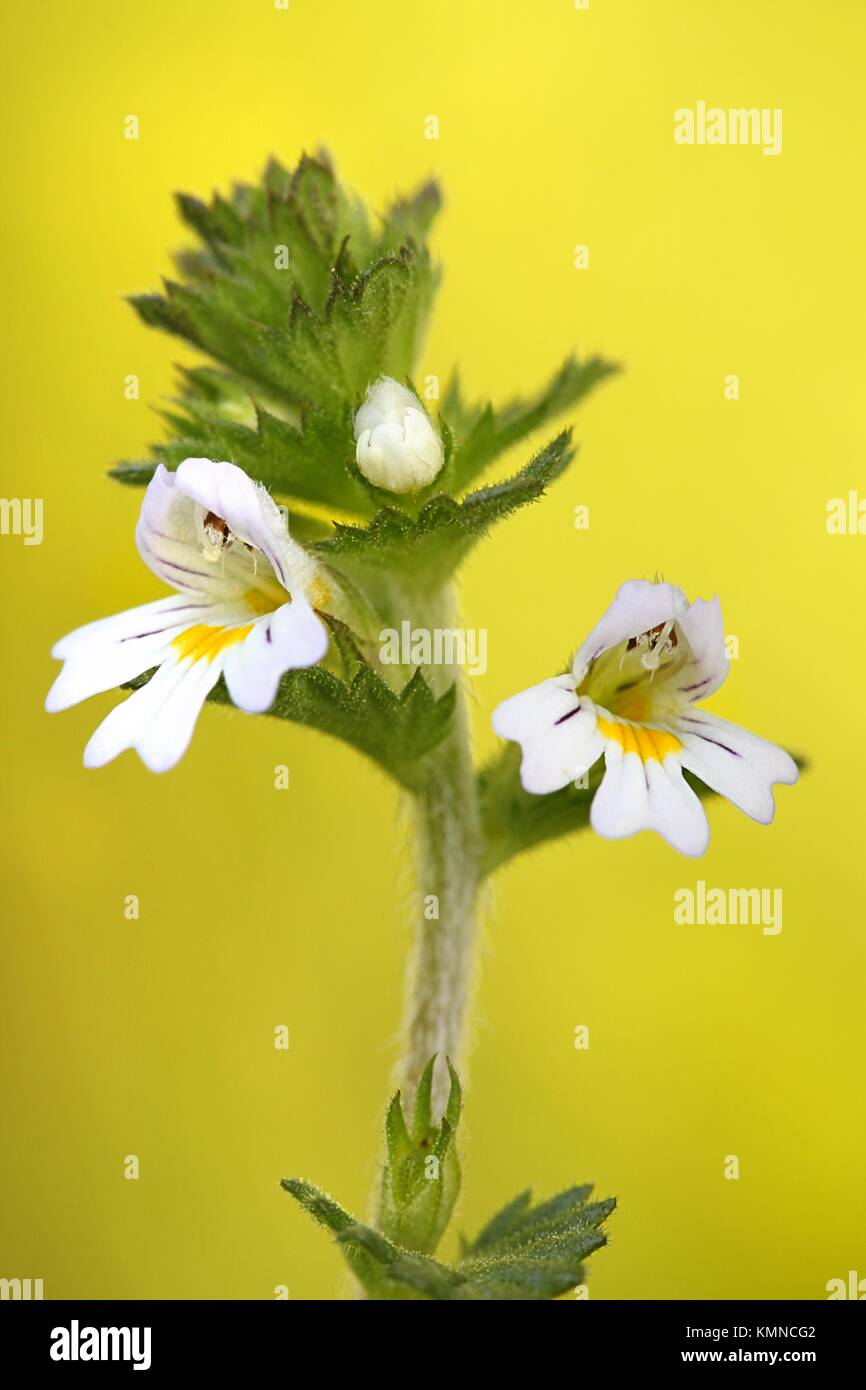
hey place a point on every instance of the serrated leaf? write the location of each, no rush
(319, 1205)
(483, 432)
(381, 1267)
(322, 1208)
(399, 1273)
(536, 1253)
(376, 325)
(500, 1225)
(431, 547)
(346, 648)
(294, 294)
(328, 1213)
(525, 1278)
(135, 472)
(410, 219)
(394, 729)
(304, 462)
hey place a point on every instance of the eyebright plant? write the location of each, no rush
(310, 315)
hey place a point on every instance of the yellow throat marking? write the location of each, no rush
(633, 738)
(265, 600)
(204, 643)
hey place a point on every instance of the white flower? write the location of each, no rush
(243, 609)
(631, 695)
(397, 446)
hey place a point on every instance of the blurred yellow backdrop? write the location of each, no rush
(155, 1037)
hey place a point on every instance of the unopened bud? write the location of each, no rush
(397, 446)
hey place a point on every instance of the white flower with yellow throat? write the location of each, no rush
(243, 608)
(631, 695)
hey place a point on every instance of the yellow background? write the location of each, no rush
(258, 907)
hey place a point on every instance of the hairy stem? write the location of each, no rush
(447, 853)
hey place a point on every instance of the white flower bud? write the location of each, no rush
(397, 446)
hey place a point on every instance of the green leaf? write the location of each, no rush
(396, 729)
(294, 295)
(399, 1274)
(382, 1268)
(135, 472)
(328, 1213)
(409, 220)
(535, 1252)
(514, 820)
(376, 325)
(428, 549)
(308, 461)
(484, 432)
(299, 304)
(500, 1225)
(523, 1253)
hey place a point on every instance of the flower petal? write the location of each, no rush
(556, 731)
(739, 765)
(292, 637)
(702, 625)
(638, 606)
(170, 541)
(161, 615)
(649, 793)
(250, 513)
(158, 720)
(113, 650)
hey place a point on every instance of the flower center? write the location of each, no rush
(635, 680)
(218, 537)
(265, 599)
(265, 594)
(655, 644)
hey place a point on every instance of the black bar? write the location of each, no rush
(223, 1337)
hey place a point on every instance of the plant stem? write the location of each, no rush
(447, 852)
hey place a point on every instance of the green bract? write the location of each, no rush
(523, 1252)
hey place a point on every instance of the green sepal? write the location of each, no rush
(421, 1178)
